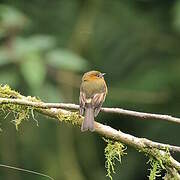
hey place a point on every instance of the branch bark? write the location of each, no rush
(141, 115)
(55, 110)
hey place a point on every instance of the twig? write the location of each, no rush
(141, 115)
(26, 170)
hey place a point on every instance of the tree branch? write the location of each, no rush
(104, 130)
(142, 144)
(141, 115)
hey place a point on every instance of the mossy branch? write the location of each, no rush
(21, 106)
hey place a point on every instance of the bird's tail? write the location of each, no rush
(88, 123)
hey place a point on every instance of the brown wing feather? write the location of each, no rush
(82, 101)
(97, 102)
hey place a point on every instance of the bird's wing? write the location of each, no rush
(97, 102)
(82, 101)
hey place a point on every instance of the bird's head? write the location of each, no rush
(93, 75)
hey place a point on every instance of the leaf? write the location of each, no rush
(38, 43)
(11, 17)
(33, 69)
(65, 59)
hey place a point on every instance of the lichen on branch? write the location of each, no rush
(159, 160)
(7, 92)
(20, 112)
(114, 151)
(72, 117)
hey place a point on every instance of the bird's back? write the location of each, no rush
(90, 88)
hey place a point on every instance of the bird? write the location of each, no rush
(93, 91)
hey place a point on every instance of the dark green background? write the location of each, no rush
(46, 46)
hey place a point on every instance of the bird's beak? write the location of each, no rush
(102, 74)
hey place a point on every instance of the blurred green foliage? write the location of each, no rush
(44, 49)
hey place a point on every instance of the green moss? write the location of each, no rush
(20, 112)
(157, 161)
(155, 168)
(71, 117)
(113, 151)
(7, 92)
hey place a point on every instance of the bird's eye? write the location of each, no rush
(99, 75)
